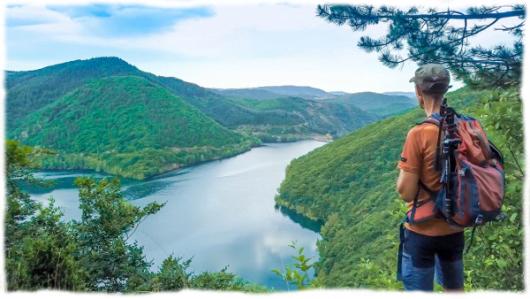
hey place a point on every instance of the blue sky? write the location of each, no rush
(128, 20)
(222, 46)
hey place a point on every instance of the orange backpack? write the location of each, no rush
(472, 190)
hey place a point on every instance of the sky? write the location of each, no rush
(230, 45)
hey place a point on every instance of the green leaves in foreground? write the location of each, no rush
(94, 253)
(297, 274)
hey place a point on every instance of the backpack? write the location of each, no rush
(472, 189)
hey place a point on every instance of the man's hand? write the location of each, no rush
(407, 185)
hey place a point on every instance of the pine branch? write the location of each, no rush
(345, 12)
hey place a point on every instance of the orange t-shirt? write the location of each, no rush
(419, 156)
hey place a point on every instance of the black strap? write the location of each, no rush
(471, 238)
(437, 162)
(415, 204)
(431, 192)
(399, 275)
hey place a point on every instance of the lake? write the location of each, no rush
(220, 213)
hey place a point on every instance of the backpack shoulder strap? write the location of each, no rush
(434, 119)
(496, 152)
(437, 120)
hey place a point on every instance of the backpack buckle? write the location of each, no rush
(479, 220)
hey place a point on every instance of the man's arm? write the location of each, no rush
(407, 185)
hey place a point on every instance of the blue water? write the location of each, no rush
(221, 213)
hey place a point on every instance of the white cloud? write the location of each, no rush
(239, 46)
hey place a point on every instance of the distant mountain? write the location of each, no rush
(289, 118)
(56, 107)
(338, 93)
(381, 104)
(29, 91)
(247, 93)
(297, 91)
(376, 103)
(411, 95)
(271, 92)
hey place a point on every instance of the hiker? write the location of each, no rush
(452, 177)
(433, 246)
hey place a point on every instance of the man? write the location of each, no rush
(433, 245)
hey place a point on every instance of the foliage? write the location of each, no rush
(224, 280)
(93, 253)
(297, 117)
(495, 260)
(38, 247)
(350, 185)
(107, 115)
(433, 37)
(43, 255)
(172, 275)
(106, 224)
(299, 275)
(273, 92)
(31, 91)
(126, 125)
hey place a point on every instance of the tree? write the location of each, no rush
(107, 222)
(39, 248)
(93, 253)
(173, 275)
(440, 37)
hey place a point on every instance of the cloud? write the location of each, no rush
(108, 20)
(218, 46)
(21, 16)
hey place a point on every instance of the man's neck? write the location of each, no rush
(431, 106)
(431, 110)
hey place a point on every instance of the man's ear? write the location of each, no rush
(419, 96)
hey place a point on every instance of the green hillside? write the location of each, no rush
(296, 118)
(379, 104)
(29, 91)
(272, 92)
(126, 125)
(350, 185)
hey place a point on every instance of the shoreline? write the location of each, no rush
(320, 138)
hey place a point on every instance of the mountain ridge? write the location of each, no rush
(35, 99)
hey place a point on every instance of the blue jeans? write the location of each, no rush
(425, 258)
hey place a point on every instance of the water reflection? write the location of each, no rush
(300, 219)
(220, 213)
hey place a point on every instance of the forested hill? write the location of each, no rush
(29, 91)
(282, 117)
(378, 104)
(106, 114)
(126, 125)
(272, 92)
(350, 185)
